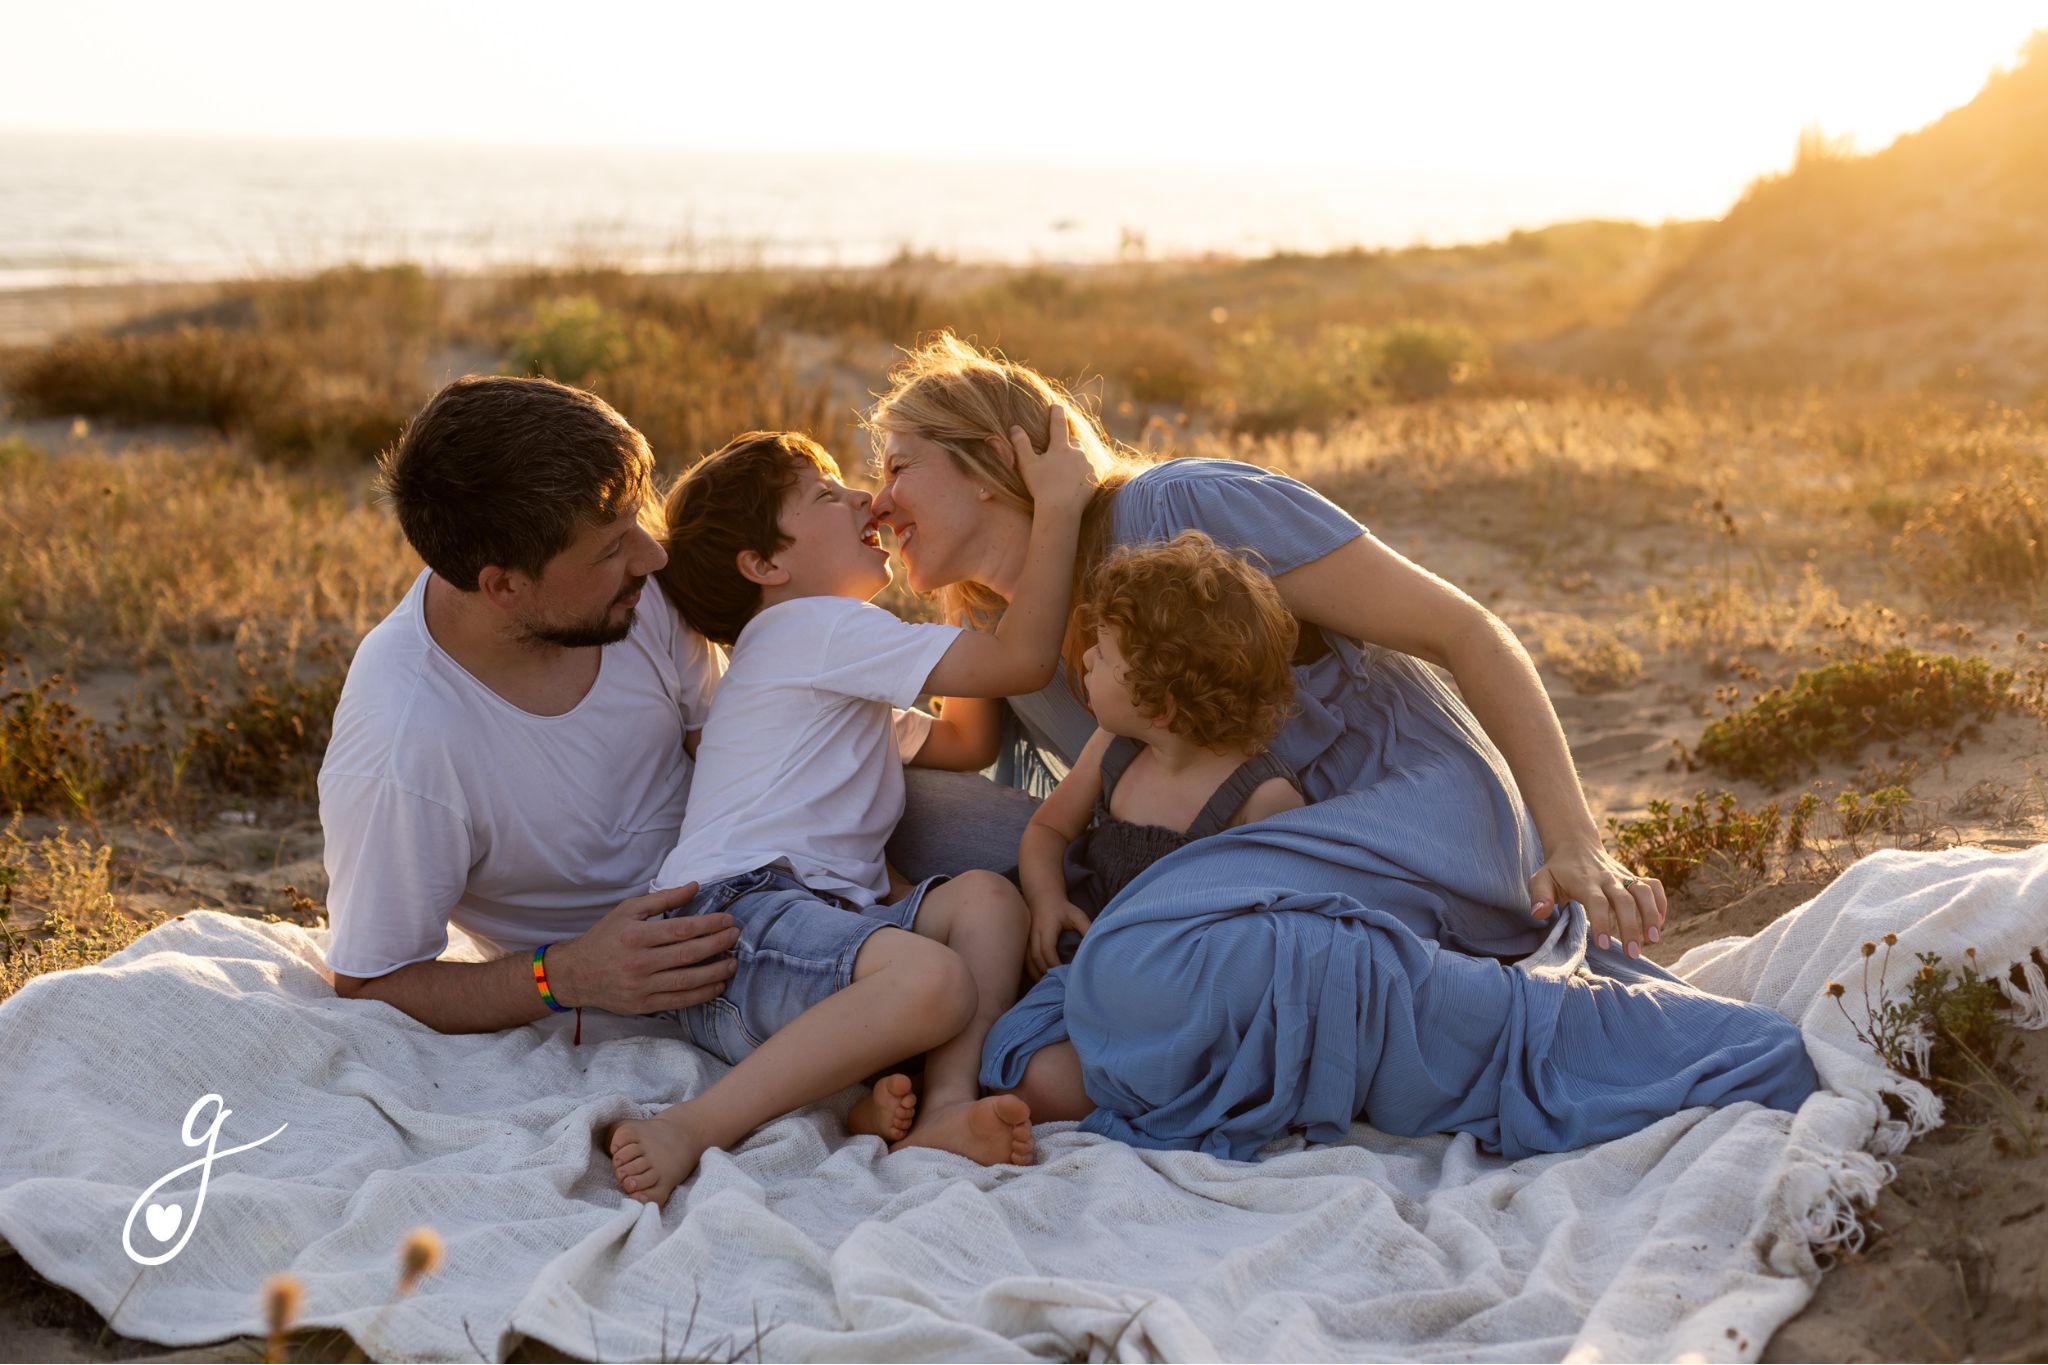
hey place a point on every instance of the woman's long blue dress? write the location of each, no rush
(1370, 955)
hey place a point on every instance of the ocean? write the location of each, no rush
(80, 208)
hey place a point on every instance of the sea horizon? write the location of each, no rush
(114, 208)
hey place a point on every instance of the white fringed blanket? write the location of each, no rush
(1697, 1236)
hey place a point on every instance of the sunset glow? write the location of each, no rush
(1647, 110)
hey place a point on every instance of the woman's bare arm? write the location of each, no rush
(1367, 590)
(966, 735)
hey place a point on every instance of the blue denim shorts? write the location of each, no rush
(796, 947)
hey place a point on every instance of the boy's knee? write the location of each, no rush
(991, 894)
(940, 987)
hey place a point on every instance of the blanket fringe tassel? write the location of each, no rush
(2029, 1000)
(1834, 1221)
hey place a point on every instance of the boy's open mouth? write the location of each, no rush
(871, 535)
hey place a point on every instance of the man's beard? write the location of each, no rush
(600, 630)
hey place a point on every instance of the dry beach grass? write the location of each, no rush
(1783, 624)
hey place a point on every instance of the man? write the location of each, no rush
(512, 749)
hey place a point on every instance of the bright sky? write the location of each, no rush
(1698, 99)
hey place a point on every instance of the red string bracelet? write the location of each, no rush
(540, 980)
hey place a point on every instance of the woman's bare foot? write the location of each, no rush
(994, 1131)
(886, 1111)
(651, 1157)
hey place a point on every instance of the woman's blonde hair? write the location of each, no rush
(960, 397)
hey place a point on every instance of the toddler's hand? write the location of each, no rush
(1048, 921)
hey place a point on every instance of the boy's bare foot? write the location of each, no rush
(993, 1131)
(886, 1111)
(651, 1157)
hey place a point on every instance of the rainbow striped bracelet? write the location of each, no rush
(540, 978)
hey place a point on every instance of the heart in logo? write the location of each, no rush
(163, 1220)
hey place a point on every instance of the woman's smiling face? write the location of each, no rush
(935, 512)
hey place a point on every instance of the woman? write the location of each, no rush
(1419, 823)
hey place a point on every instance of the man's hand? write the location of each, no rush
(631, 963)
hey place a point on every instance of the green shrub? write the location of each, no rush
(1672, 842)
(570, 339)
(1274, 384)
(1946, 1026)
(690, 378)
(1840, 708)
(1420, 359)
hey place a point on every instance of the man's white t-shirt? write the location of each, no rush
(801, 762)
(442, 801)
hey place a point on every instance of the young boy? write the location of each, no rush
(799, 783)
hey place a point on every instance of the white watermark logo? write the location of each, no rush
(163, 1220)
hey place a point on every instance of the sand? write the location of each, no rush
(1954, 1263)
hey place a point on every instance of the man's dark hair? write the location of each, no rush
(497, 470)
(732, 501)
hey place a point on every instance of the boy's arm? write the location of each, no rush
(966, 735)
(1041, 855)
(1023, 653)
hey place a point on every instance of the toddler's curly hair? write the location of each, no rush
(1202, 627)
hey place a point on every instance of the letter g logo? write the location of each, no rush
(163, 1220)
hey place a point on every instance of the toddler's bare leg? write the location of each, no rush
(981, 917)
(1052, 1085)
(907, 995)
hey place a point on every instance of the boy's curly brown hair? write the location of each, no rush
(1200, 626)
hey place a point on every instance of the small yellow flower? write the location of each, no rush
(1868, 948)
(420, 1257)
(282, 1295)
(1835, 989)
(1890, 939)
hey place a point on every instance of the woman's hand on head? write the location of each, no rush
(1058, 477)
(1620, 906)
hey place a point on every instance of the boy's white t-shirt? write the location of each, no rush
(801, 762)
(441, 801)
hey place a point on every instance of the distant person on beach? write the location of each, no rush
(512, 749)
(799, 785)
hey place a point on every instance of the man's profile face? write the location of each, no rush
(586, 594)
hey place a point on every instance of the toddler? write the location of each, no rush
(1189, 679)
(799, 782)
